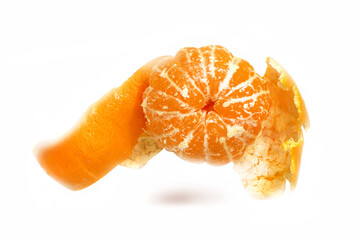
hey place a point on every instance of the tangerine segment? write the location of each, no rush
(104, 137)
(204, 104)
(174, 131)
(217, 150)
(169, 78)
(217, 61)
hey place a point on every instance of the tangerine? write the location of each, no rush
(204, 104)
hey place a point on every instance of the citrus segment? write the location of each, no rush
(192, 61)
(194, 142)
(216, 148)
(217, 61)
(159, 103)
(168, 77)
(173, 131)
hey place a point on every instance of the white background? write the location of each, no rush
(58, 57)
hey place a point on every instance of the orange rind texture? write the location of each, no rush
(294, 147)
(145, 149)
(276, 71)
(275, 156)
(104, 137)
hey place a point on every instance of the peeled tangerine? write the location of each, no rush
(203, 104)
(206, 105)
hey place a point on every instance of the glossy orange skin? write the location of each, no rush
(104, 136)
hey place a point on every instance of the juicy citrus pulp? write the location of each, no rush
(204, 104)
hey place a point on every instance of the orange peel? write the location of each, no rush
(276, 71)
(203, 104)
(294, 147)
(279, 146)
(104, 137)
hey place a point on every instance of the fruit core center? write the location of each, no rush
(209, 106)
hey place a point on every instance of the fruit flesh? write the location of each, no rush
(186, 115)
(204, 104)
(103, 138)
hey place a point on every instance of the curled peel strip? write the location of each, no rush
(275, 72)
